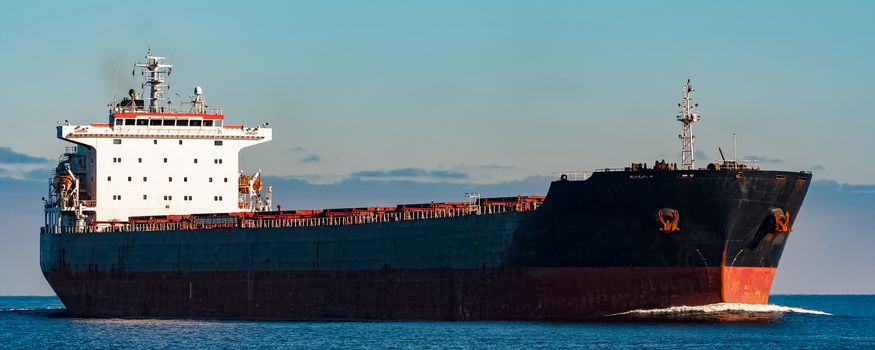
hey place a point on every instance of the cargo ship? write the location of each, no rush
(149, 216)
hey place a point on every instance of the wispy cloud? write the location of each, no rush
(409, 173)
(487, 167)
(9, 156)
(16, 165)
(818, 167)
(763, 159)
(311, 158)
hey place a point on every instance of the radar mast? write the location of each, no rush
(687, 116)
(154, 79)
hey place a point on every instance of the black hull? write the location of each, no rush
(593, 248)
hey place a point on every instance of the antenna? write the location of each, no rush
(734, 148)
(114, 82)
(155, 80)
(687, 116)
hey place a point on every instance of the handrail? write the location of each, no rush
(365, 218)
(184, 108)
(572, 175)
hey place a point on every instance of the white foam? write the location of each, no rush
(723, 308)
(33, 309)
(144, 321)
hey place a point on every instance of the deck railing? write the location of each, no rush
(256, 222)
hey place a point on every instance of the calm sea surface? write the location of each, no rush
(793, 321)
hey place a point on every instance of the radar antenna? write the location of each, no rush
(198, 103)
(154, 79)
(687, 116)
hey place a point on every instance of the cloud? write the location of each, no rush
(311, 158)
(15, 165)
(39, 172)
(8, 156)
(484, 167)
(763, 159)
(701, 155)
(409, 173)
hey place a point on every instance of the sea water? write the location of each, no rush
(789, 321)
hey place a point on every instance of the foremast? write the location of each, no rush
(687, 116)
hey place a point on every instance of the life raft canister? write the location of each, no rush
(668, 220)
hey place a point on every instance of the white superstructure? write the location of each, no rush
(152, 160)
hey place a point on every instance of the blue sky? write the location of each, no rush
(461, 93)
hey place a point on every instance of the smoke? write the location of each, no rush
(115, 74)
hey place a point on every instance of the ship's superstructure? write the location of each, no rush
(149, 216)
(151, 159)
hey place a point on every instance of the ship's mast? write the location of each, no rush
(154, 79)
(687, 116)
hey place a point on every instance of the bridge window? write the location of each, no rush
(142, 121)
(119, 121)
(217, 123)
(154, 121)
(129, 122)
(169, 122)
(182, 122)
(194, 122)
(208, 123)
